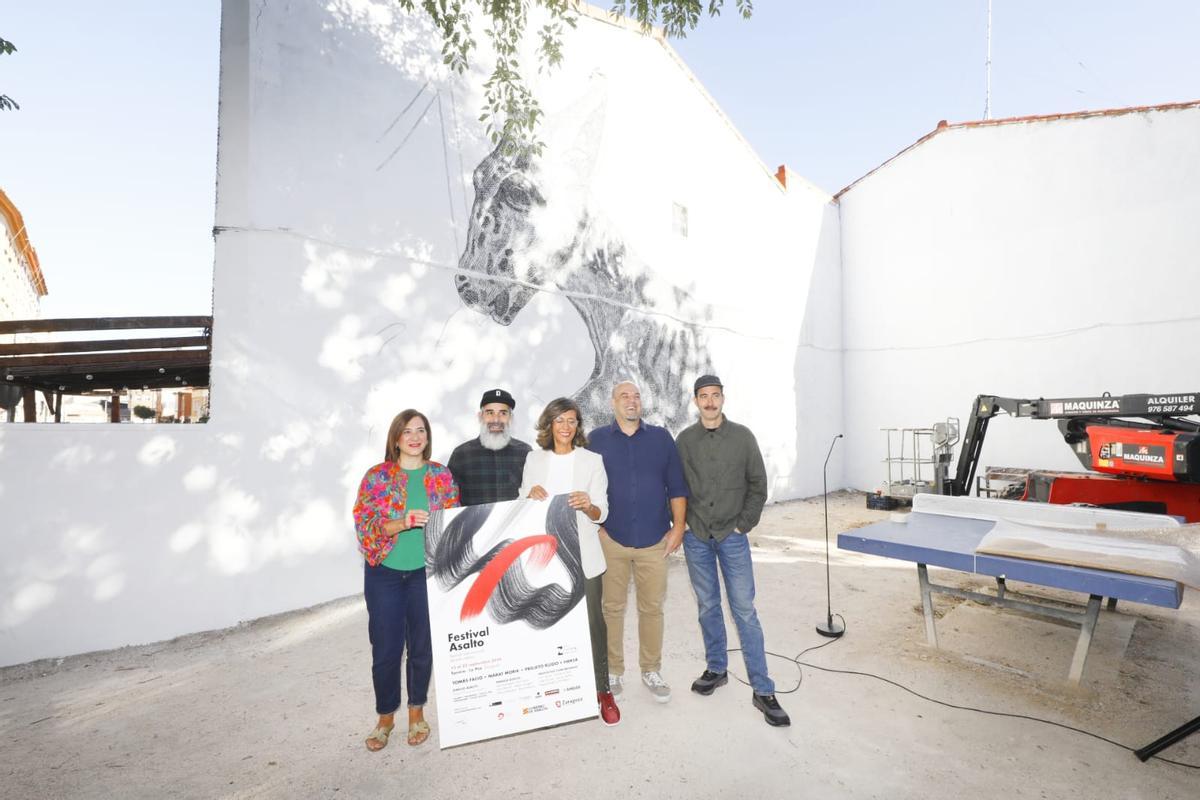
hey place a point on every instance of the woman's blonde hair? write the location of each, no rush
(561, 405)
(391, 452)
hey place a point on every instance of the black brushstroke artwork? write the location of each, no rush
(451, 560)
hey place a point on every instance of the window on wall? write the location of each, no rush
(107, 207)
(679, 220)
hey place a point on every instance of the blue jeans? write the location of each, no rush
(398, 617)
(733, 555)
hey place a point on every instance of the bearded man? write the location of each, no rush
(488, 468)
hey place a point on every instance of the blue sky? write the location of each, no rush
(111, 158)
(834, 88)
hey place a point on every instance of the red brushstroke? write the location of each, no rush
(543, 549)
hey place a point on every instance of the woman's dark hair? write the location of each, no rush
(391, 452)
(561, 405)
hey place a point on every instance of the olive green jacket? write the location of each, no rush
(725, 473)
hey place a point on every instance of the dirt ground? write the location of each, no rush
(279, 707)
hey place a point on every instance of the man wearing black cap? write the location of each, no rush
(728, 482)
(488, 468)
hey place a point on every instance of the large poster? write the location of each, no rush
(511, 650)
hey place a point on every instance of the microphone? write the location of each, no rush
(828, 628)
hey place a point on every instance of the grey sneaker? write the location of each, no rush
(614, 684)
(709, 682)
(657, 686)
(769, 706)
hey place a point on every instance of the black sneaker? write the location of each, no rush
(707, 683)
(772, 713)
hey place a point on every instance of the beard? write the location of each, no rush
(491, 440)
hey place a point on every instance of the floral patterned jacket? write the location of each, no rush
(383, 495)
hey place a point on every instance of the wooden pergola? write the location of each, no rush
(99, 366)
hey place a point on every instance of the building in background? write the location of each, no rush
(22, 287)
(184, 405)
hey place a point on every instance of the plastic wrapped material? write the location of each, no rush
(1039, 513)
(1170, 553)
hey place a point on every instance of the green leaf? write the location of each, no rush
(508, 101)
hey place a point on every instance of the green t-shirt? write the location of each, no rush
(409, 550)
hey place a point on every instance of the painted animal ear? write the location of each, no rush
(579, 129)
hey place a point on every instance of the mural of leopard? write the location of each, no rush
(532, 228)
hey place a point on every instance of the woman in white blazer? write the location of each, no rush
(563, 466)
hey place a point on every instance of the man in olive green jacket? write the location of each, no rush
(728, 483)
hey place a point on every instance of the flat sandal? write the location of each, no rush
(380, 734)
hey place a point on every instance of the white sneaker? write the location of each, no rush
(657, 686)
(614, 684)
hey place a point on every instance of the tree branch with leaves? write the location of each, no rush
(7, 103)
(510, 110)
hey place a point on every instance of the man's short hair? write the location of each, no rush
(622, 383)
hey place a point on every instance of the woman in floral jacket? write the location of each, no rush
(394, 501)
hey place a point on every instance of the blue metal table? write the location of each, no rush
(950, 542)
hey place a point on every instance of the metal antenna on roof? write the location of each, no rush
(987, 92)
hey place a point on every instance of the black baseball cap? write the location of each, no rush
(497, 396)
(707, 380)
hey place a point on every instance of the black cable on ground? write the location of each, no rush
(799, 664)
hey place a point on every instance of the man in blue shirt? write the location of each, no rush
(647, 508)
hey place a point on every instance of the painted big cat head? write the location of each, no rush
(495, 262)
(527, 213)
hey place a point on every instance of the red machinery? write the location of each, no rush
(1144, 446)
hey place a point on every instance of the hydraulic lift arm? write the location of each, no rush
(985, 407)
(1099, 429)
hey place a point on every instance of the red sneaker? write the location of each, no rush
(609, 713)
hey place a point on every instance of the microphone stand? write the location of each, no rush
(828, 628)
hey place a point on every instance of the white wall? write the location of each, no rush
(818, 370)
(335, 307)
(1024, 259)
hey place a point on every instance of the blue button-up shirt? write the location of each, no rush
(644, 475)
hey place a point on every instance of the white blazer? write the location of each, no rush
(588, 476)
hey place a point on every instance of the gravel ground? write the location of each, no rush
(279, 707)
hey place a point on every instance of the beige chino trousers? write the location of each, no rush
(648, 569)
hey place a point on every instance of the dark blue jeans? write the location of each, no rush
(398, 616)
(732, 555)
